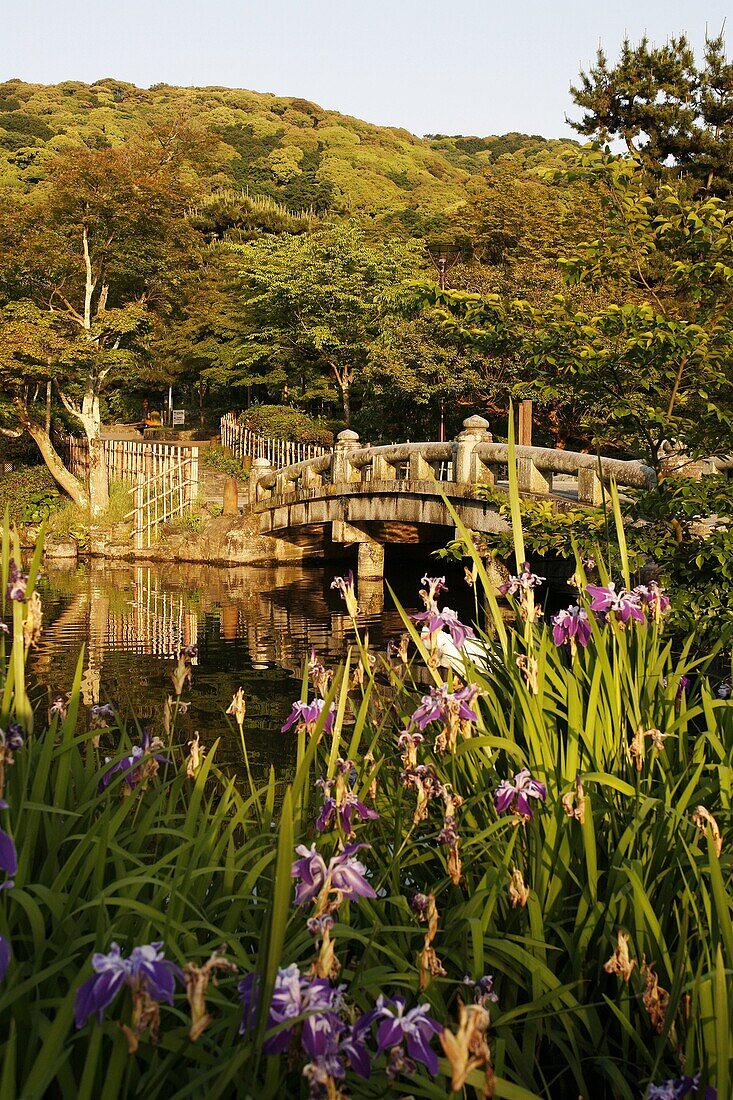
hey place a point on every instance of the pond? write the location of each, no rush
(254, 628)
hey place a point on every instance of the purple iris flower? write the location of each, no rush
(294, 996)
(318, 926)
(104, 711)
(8, 854)
(682, 687)
(342, 583)
(345, 586)
(680, 1087)
(652, 595)
(571, 624)
(435, 620)
(307, 714)
(332, 1045)
(436, 707)
(17, 583)
(483, 989)
(145, 970)
(343, 874)
(413, 1029)
(350, 805)
(131, 765)
(13, 736)
(526, 581)
(344, 804)
(4, 956)
(515, 795)
(627, 605)
(435, 585)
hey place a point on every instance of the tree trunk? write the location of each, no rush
(98, 479)
(65, 479)
(346, 397)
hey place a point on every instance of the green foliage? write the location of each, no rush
(30, 494)
(686, 529)
(269, 146)
(311, 309)
(651, 367)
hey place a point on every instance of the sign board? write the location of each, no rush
(179, 418)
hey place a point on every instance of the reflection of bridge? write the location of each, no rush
(377, 495)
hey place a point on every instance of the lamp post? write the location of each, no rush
(443, 258)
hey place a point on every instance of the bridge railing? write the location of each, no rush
(472, 459)
(401, 462)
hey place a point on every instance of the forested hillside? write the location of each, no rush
(287, 149)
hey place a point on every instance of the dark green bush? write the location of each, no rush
(285, 422)
(30, 493)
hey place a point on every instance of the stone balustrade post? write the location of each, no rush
(420, 469)
(258, 469)
(346, 441)
(475, 431)
(530, 479)
(590, 487)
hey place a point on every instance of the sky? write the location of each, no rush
(452, 67)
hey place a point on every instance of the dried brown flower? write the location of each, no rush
(573, 803)
(33, 624)
(197, 980)
(620, 963)
(654, 997)
(529, 668)
(702, 819)
(468, 1049)
(238, 707)
(518, 890)
(196, 754)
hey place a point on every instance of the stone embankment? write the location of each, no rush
(222, 540)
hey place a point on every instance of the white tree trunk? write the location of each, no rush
(98, 479)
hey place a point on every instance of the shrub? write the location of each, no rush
(223, 461)
(30, 493)
(285, 422)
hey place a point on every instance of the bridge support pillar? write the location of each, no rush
(532, 480)
(370, 562)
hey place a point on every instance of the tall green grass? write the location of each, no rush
(203, 863)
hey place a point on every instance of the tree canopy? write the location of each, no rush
(674, 116)
(88, 262)
(650, 368)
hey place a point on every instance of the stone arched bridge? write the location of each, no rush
(374, 496)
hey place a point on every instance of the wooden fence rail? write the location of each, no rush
(164, 496)
(133, 460)
(278, 452)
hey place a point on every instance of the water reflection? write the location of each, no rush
(253, 627)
